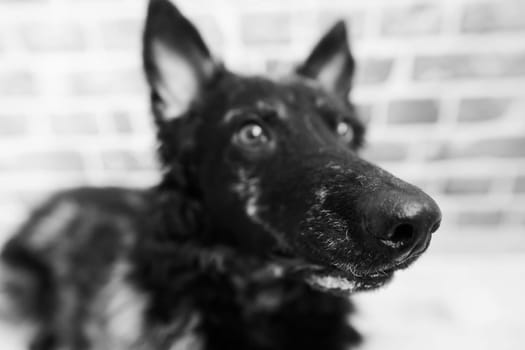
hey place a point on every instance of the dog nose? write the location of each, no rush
(403, 222)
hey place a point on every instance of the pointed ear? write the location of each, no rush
(177, 63)
(331, 62)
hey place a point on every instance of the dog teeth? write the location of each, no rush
(331, 282)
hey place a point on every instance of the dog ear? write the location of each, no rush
(177, 62)
(331, 62)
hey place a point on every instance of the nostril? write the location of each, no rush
(399, 236)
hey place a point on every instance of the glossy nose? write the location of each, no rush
(402, 222)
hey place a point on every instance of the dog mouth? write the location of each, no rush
(347, 281)
(335, 278)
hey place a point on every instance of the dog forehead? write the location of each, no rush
(284, 96)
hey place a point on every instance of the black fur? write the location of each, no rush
(264, 223)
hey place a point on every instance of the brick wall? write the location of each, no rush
(441, 84)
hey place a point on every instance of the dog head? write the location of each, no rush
(275, 161)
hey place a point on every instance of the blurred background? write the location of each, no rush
(440, 83)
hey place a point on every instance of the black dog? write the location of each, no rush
(264, 223)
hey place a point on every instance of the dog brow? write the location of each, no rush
(272, 109)
(232, 113)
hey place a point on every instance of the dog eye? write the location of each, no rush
(251, 135)
(344, 130)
